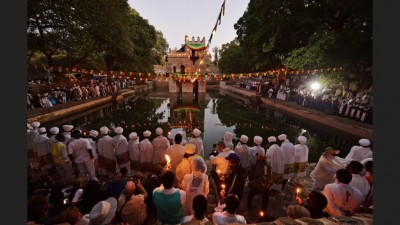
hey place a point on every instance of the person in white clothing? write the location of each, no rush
(199, 206)
(256, 150)
(160, 145)
(358, 181)
(230, 215)
(288, 152)
(243, 151)
(343, 199)
(120, 144)
(41, 147)
(53, 131)
(325, 170)
(228, 136)
(146, 153)
(80, 151)
(195, 183)
(275, 159)
(300, 159)
(176, 152)
(198, 142)
(360, 152)
(107, 162)
(134, 153)
(221, 164)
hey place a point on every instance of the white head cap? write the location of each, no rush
(271, 139)
(54, 130)
(302, 139)
(364, 142)
(104, 130)
(196, 132)
(133, 136)
(282, 137)
(118, 130)
(42, 130)
(257, 140)
(147, 133)
(67, 128)
(93, 133)
(35, 124)
(159, 131)
(244, 138)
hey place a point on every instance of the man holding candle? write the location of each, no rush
(236, 176)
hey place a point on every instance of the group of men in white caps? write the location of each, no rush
(99, 154)
(347, 183)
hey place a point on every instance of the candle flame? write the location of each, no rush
(261, 213)
(168, 159)
(219, 171)
(298, 190)
(223, 186)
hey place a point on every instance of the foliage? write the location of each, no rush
(305, 35)
(101, 34)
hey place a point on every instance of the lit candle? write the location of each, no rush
(261, 213)
(223, 186)
(168, 161)
(297, 192)
(219, 172)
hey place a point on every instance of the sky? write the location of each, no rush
(195, 18)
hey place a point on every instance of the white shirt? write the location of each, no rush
(224, 217)
(160, 145)
(361, 184)
(146, 151)
(79, 149)
(341, 197)
(199, 145)
(359, 153)
(243, 151)
(288, 155)
(105, 147)
(134, 151)
(325, 170)
(276, 158)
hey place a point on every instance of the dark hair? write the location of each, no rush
(221, 143)
(214, 145)
(355, 167)
(200, 205)
(369, 166)
(178, 138)
(232, 203)
(76, 134)
(343, 176)
(317, 200)
(60, 137)
(168, 179)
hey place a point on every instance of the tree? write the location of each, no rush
(307, 34)
(231, 60)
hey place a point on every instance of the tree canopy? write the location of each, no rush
(302, 35)
(97, 34)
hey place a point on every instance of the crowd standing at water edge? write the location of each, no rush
(130, 172)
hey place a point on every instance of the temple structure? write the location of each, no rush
(186, 66)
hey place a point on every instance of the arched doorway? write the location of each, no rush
(196, 87)
(182, 69)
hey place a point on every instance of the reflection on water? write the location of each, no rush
(213, 113)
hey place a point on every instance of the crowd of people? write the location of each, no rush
(95, 88)
(107, 178)
(354, 105)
